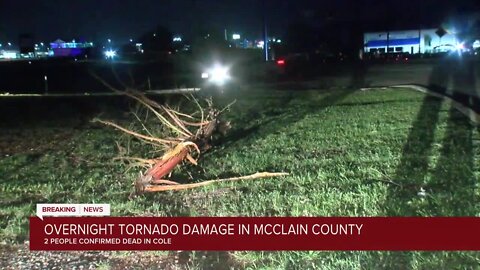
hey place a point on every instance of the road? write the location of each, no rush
(452, 75)
(455, 77)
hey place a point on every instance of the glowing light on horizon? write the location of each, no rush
(110, 53)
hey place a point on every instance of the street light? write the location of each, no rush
(476, 44)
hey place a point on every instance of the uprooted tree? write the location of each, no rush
(183, 138)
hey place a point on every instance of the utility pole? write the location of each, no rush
(420, 30)
(388, 20)
(265, 34)
(420, 40)
(388, 40)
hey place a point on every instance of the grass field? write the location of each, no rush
(362, 153)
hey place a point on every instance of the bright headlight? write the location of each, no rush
(217, 75)
(110, 53)
(460, 46)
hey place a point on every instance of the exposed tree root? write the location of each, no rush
(184, 134)
(155, 185)
(135, 134)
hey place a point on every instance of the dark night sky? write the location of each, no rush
(122, 19)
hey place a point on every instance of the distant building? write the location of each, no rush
(411, 41)
(72, 49)
(9, 54)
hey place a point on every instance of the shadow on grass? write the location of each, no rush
(257, 117)
(285, 113)
(412, 169)
(448, 189)
(453, 182)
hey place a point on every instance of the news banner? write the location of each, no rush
(90, 227)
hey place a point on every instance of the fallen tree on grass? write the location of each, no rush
(184, 137)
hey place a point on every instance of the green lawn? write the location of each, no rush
(363, 153)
